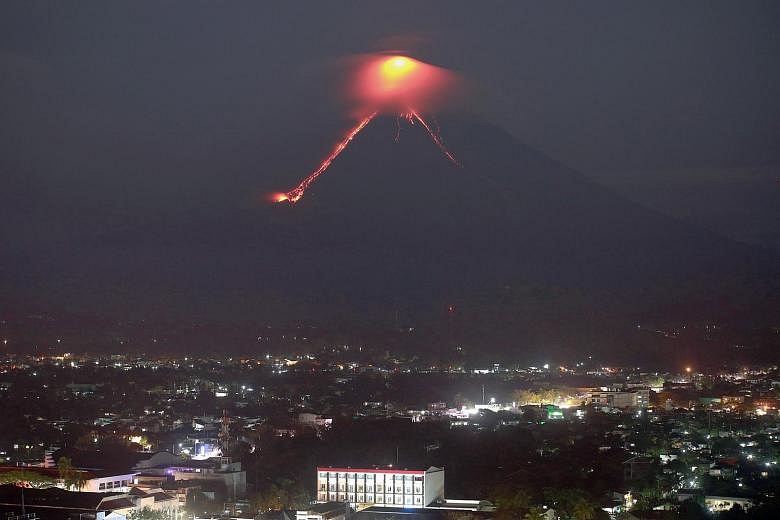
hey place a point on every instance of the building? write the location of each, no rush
(637, 467)
(617, 397)
(57, 504)
(95, 481)
(155, 500)
(717, 503)
(325, 511)
(218, 469)
(362, 487)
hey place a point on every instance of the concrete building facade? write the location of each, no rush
(364, 487)
(621, 398)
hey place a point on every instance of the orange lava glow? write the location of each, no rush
(388, 84)
(397, 68)
(295, 194)
(392, 83)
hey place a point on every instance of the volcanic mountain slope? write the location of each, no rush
(531, 252)
(397, 221)
(391, 225)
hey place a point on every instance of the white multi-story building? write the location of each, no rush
(621, 398)
(380, 487)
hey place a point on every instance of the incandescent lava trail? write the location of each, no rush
(388, 85)
(295, 194)
(436, 138)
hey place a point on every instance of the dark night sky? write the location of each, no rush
(119, 120)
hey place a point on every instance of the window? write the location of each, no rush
(418, 500)
(417, 489)
(102, 485)
(116, 483)
(322, 487)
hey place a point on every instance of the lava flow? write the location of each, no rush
(436, 138)
(385, 85)
(295, 194)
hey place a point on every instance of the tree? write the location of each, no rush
(647, 498)
(286, 494)
(147, 513)
(268, 499)
(526, 397)
(691, 510)
(24, 478)
(71, 478)
(534, 513)
(571, 503)
(511, 504)
(582, 509)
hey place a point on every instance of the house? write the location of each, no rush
(156, 500)
(325, 511)
(724, 469)
(55, 503)
(90, 481)
(637, 467)
(717, 503)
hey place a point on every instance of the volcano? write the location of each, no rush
(394, 221)
(527, 250)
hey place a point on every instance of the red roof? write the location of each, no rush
(373, 470)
